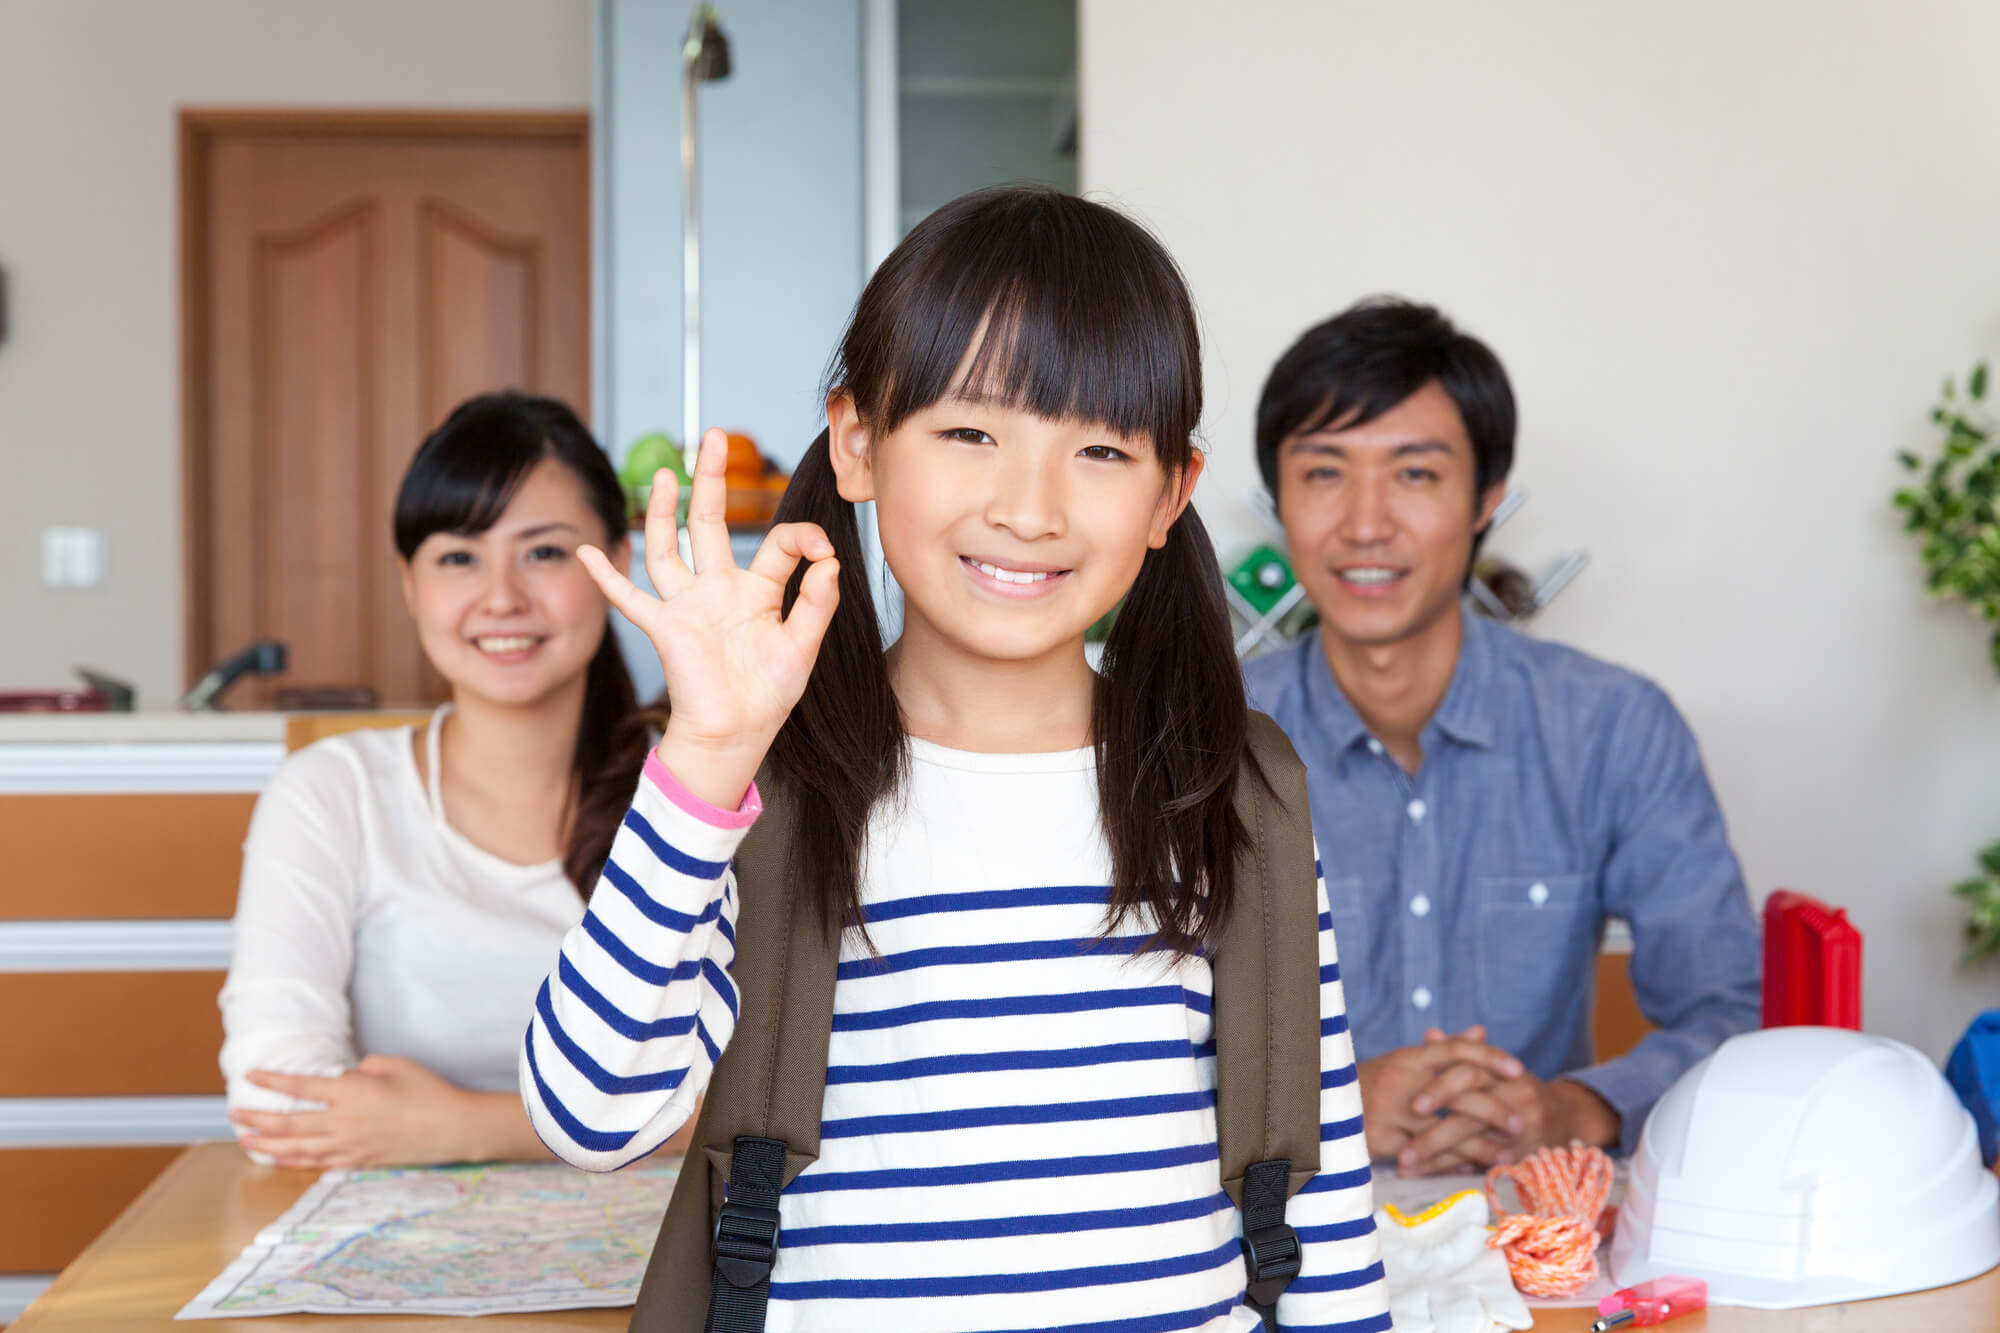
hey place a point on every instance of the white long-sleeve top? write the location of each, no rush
(366, 924)
(1019, 1123)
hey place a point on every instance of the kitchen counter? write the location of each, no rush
(145, 727)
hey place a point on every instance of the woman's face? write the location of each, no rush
(508, 615)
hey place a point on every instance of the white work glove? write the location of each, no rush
(1441, 1274)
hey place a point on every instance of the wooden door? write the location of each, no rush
(349, 278)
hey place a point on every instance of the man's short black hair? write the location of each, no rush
(1370, 357)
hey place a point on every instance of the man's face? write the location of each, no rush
(1380, 517)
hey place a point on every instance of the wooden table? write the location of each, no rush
(192, 1223)
(205, 1208)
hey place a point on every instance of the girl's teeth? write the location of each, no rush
(1008, 575)
(511, 644)
(1368, 575)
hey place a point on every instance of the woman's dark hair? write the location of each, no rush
(1079, 314)
(460, 481)
(1370, 357)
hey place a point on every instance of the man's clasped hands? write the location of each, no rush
(1457, 1104)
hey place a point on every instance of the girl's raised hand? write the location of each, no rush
(735, 663)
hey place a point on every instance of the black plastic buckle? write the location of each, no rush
(1273, 1257)
(746, 1243)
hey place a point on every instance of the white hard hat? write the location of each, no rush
(1803, 1166)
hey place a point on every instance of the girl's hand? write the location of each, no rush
(735, 664)
(386, 1111)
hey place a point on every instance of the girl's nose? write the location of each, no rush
(1029, 499)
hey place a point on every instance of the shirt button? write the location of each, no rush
(1374, 746)
(1417, 809)
(1420, 906)
(1421, 997)
(1538, 893)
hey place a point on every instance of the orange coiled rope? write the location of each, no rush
(1551, 1244)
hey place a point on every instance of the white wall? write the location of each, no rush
(90, 368)
(1727, 249)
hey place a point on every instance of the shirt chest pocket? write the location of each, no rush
(1532, 930)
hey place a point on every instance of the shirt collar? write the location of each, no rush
(1465, 716)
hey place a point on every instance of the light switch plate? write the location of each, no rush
(72, 557)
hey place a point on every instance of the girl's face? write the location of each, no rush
(508, 615)
(1009, 533)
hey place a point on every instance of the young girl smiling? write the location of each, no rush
(1027, 861)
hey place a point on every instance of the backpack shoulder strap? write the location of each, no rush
(1266, 978)
(759, 1123)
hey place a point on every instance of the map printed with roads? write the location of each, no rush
(461, 1240)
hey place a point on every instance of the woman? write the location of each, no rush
(404, 890)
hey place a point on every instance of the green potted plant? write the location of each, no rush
(1953, 505)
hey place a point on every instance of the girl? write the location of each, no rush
(402, 889)
(1026, 858)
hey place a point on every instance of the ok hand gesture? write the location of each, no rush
(735, 664)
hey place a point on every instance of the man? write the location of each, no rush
(1483, 801)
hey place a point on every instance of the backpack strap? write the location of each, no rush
(759, 1124)
(1266, 971)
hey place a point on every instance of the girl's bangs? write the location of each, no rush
(1067, 313)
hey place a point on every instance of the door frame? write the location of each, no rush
(198, 128)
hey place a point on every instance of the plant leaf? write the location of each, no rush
(1976, 383)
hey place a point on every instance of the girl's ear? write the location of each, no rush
(1175, 499)
(847, 444)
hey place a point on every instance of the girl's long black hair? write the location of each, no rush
(1085, 317)
(460, 481)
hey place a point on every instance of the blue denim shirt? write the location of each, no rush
(1555, 791)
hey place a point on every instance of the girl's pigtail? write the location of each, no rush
(841, 750)
(1171, 727)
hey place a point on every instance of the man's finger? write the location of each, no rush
(1419, 1156)
(1435, 1056)
(708, 529)
(1494, 1112)
(1454, 1082)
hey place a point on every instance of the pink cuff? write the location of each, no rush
(743, 816)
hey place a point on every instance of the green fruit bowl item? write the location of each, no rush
(648, 454)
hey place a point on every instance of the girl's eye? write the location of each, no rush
(455, 559)
(1104, 453)
(966, 435)
(547, 554)
(1323, 474)
(1421, 475)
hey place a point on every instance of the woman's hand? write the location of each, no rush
(387, 1111)
(735, 664)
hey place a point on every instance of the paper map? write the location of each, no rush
(458, 1240)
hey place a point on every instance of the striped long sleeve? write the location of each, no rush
(629, 1026)
(1339, 1286)
(1018, 1129)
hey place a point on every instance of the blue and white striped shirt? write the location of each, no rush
(1019, 1126)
